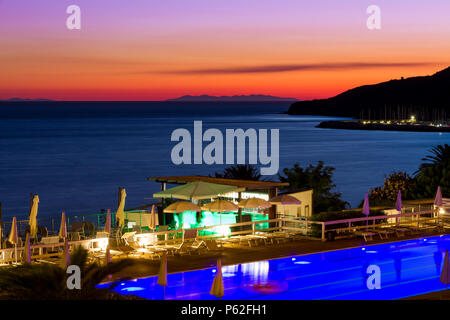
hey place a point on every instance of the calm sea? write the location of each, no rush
(76, 155)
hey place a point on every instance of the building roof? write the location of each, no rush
(197, 190)
(247, 184)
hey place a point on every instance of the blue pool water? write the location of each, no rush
(407, 268)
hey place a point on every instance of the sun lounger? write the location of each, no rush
(184, 248)
(230, 240)
(101, 255)
(430, 226)
(276, 237)
(381, 233)
(211, 245)
(365, 234)
(412, 229)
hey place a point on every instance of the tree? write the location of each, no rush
(434, 172)
(240, 172)
(387, 194)
(48, 281)
(320, 179)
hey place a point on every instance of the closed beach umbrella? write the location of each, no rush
(66, 256)
(254, 203)
(162, 275)
(445, 275)
(154, 219)
(33, 215)
(398, 203)
(120, 210)
(27, 250)
(107, 227)
(14, 236)
(438, 199)
(63, 227)
(107, 255)
(217, 286)
(181, 206)
(366, 209)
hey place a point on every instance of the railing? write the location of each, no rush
(414, 219)
(212, 232)
(52, 224)
(288, 225)
(40, 251)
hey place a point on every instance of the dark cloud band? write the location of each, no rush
(300, 67)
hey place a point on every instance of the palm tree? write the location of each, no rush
(440, 156)
(240, 172)
(49, 281)
(434, 172)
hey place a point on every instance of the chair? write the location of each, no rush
(188, 245)
(74, 236)
(76, 227)
(42, 231)
(88, 228)
(50, 240)
(211, 245)
(190, 235)
(184, 247)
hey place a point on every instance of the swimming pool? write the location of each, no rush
(407, 268)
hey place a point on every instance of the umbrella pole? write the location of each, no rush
(15, 251)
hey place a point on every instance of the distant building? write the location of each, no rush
(303, 210)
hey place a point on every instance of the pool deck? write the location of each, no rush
(231, 255)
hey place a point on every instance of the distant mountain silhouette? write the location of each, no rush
(426, 97)
(236, 98)
(26, 99)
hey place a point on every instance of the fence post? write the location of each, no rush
(323, 231)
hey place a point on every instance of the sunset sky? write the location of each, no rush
(160, 49)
